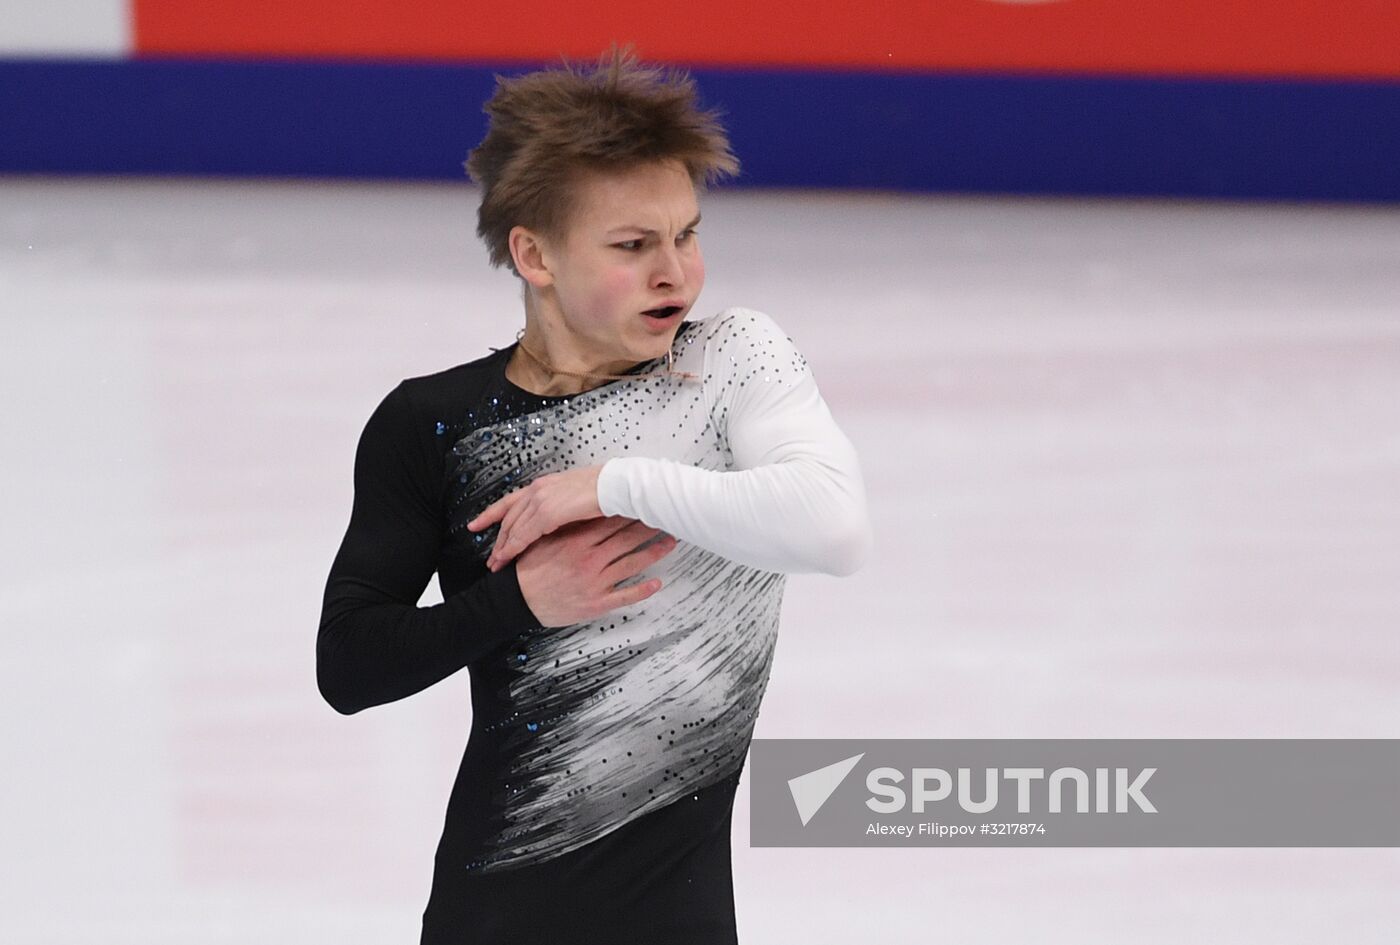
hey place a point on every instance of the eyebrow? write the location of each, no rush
(642, 229)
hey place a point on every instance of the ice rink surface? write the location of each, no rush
(1133, 468)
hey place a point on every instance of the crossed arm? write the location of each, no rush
(794, 503)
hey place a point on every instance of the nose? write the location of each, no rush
(668, 268)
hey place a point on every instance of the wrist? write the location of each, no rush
(611, 490)
(595, 490)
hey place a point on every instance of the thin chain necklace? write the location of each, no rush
(669, 372)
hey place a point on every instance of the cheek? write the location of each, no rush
(614, 286)
(695, 272)
(618, 284)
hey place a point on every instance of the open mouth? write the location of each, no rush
(664, 312)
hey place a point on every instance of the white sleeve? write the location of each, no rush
(795, 501)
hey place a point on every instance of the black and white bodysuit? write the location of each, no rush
(594, 796)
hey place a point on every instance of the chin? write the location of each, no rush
(662, 343)
(660, 340)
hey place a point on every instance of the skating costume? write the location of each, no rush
(594, 796)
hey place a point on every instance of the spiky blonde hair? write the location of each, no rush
(547, 128)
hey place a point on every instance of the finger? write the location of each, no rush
(517, 533)
(509, 521)
(621, 540)
(604, 525)
(587, 534)
(624, 596)
(492, 513)
(638, 560)
(527, 524)
(629, 541)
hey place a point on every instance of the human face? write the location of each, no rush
(630, 247)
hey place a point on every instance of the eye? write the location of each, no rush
(629, 245)
(686, 234)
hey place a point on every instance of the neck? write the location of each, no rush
(550, 361)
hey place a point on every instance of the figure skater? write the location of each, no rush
(611, 503)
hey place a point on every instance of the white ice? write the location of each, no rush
(1133, 468)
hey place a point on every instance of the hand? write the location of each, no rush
(571, 575)
(547, 503)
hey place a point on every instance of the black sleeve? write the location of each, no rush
(375, 644)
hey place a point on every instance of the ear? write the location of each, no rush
(527, 249)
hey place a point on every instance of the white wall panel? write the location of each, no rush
(65, 27)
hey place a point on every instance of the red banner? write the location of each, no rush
(1342, 38)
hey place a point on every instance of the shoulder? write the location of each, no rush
(419, 412)
(748, 336)
(442, 391)
(737, 320)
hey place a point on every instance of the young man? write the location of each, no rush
(611, 505)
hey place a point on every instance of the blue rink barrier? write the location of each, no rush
(941, 132)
